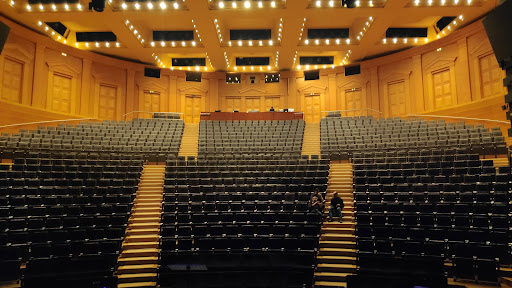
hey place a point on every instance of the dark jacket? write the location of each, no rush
(335, 201)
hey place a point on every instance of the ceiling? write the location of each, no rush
(133, 22)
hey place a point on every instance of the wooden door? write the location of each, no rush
(272, 102)
(252, 104)
(312, 108)
(151, 102)
(107, 103)
(353, 102)
(192, 108)
(12, 80)
(442, 88)
(61, 93)
(491, 77)
(396, 94)
(233, 103)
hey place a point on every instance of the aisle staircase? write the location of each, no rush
(337, 251)
(138, 261)
(311, 139)
(500, 162)
(189, 140)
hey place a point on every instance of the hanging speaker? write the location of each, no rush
(4, 32)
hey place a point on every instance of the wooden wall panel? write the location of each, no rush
(456, 75)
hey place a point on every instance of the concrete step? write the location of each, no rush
(337, 244)
(336, 259)
(337, 237)
(137, 214)
(338, 225)
(146, 252)
(338, 230)
(330, 284)
(140, 245)
(142, 268)
(330, 251)
(338, 268)
(142, 238)
(331, 276)
(137, 277)
(145, 226)
(137, 260)
(137, 285)
(142, 231)
(144, 220)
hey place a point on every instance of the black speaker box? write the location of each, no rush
(4, 32)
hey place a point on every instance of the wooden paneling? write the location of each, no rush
(12, 80)
(107, 102)
(61, 94)
(491, 76)
(353, 101)
(396, 94)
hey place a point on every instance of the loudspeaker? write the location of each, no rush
(352, 70)
(193, 76)
(149, 72)
(497, 26)
(4, 32)
(311, 75)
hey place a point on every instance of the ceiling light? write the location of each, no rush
(426, 40)
(86, 44)
(117, 44)
(417, 2)
(150, 5)
(221, 4)
(173, 43)
(53, 32)
(193, 43)
(46, 28)
(460, 17)
(54, 7)
(137, 6)
(233, 4)
(331, 3)
(162, 43)
(430, 2)
(318, 3)
(307, 67)
(183, 43)
(405, 40)
(347, 41)
(247, 4)
(12, 3)
(298, 67)
(39, 23)
(163, 5)
(152, 44)
(250, 43)
(107, 44)
(63, 54)
(135, 32)
(338, 41)
(317, 41)
(124, 6)
(78, 6)
(306, 41)
(260, 4)
(261, 43)
(270, 42)
(58, 37)
(66, 6)
(273, 4)
(176, 6)
(252, 68)
(327, 41)
(29, 8)
(358, 3)
(97, 44)
(197, 68)
(76, 44)
(239, 42)
(395, 40)
(268, 67)
(41, 7)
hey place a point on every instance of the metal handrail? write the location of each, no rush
(148, 112)
(49, 121)
(353, 110)
(455, 117)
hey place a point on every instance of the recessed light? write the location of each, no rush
(247, 4)
(150, 5)
(221, 5)
(124, 6)
(163, 5)
(176, 6)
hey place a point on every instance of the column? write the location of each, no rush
(332, 93)
(462, 73)
(86, 101)
(417, 84)
(38, 97)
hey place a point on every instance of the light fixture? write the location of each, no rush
(221, 4)
(395, 40)
(176, 5)
(54, 7)
(152, 44)
(273, 4)
(233, 4)
(298, 67)
(117, 44)
(97, 44)
(39, 23)
(260, 4)
(41, 7)
(162, 43)
(29, 8)
(137, 5)
(79, 6)
(317, 41)
(124, 6)
(318, 3)
(66, 6)
(270, 42)
(163, 5)
(239, 42)
(347, 41)
(193, 43)
(247, 4)
(150, 5)
(331, 3)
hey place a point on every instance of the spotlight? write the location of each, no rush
(97, 5)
